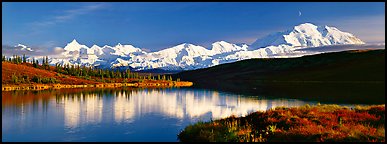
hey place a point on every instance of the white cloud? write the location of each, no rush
(335, 48)
(8, 50)
(70, 14)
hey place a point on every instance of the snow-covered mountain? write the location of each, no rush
(189, 56)
(307, 35)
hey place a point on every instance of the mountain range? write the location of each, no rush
(188, 56)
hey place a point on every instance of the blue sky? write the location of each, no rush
(156, 26)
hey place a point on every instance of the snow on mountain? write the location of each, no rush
(225, 47)
(307, 35)
(124, 50)
(74, 46)
(175, 58)
(96, 50)
(189, 56)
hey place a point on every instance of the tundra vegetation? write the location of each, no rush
(20, 70)
(320, 123)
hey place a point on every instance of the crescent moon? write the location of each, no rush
(299, 13)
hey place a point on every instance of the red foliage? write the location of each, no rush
(8, 69)
(320, 124)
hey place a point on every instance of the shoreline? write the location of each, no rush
(10, 87)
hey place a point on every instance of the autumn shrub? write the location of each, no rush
(15, 79)
(321, 123)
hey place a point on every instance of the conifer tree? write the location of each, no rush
(47, 60)
(36, 63)
(24, 58)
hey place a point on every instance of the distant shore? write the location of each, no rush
(10, 87)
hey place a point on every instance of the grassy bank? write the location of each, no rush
(25, 76)
(321, 123)
(8, 87)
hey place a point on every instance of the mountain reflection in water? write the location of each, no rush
(123, 114)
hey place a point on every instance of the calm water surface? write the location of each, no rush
(120, 114)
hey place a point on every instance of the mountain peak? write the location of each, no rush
(306, 28)
(74, 45)
(225, 47)
(185, 45)
(95, 46)
(307, 35)
(306, 25)
(74, 42)
(221, 42)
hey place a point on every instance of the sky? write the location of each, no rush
(154, 26)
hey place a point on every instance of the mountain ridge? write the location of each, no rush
(187, 56)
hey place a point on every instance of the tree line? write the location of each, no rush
(18, 60)
(83, 71)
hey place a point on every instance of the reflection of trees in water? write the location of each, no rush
(177, 103)
(81, 107)
(86, 106)
(19, 99)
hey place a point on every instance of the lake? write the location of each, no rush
(123, 114)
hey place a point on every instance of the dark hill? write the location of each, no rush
(355, 76)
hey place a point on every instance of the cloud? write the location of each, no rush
(8, 50)
(70, 14)
(335, 48)
(331, 48)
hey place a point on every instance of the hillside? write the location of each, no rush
(338, 66)
(24, 76)
(325, 76)
(8, 69)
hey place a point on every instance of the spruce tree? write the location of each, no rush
(43, 63)
(127, 73)
(47, 60)
(24, 58)
(36, 63)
